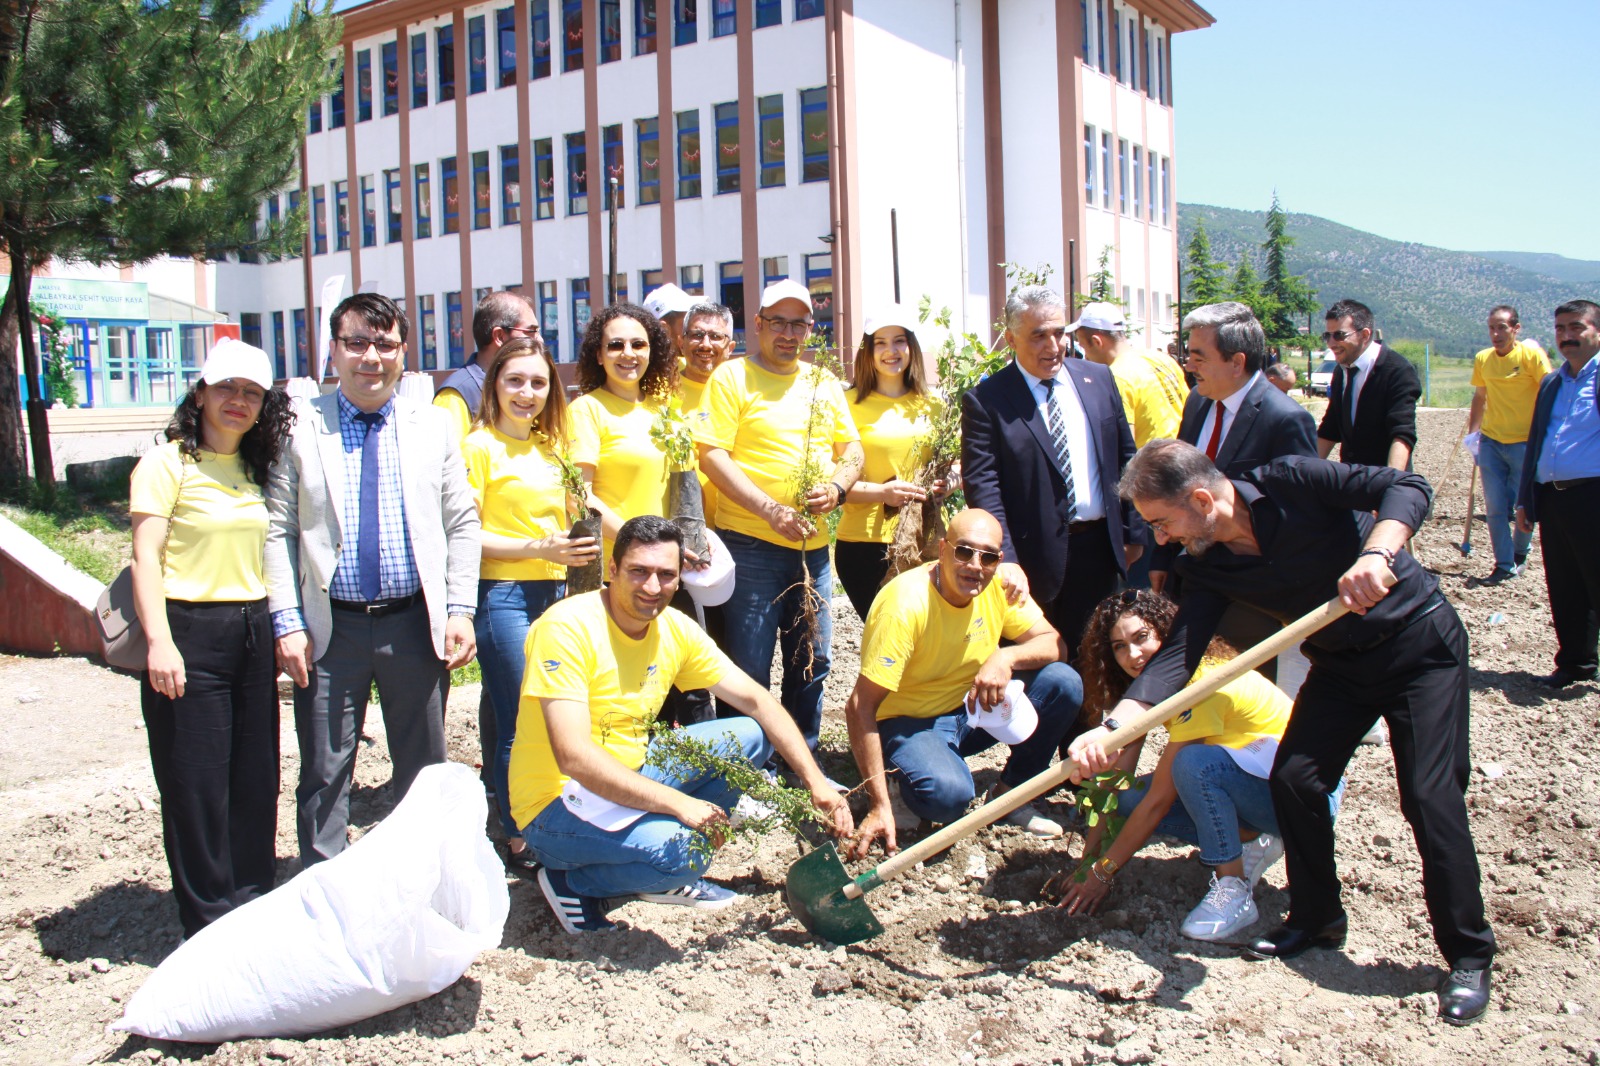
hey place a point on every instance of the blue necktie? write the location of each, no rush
(368, 544)
(1058, 436)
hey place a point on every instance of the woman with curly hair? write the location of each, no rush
(1209, 787)
(208, 691)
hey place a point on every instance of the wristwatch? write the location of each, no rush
(1105, 869)
(840, 490)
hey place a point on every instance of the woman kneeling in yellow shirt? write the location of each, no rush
(513, 468)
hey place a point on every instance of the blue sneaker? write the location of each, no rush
(577, 914)
(702, 895)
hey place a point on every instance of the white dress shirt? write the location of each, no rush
(1080, 442)
(1364, 371)
(1227, 410)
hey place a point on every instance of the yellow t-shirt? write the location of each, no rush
(1152, 399)
(218, 531)
(576, 652)
(1512, 381)
(1244, 711)
(891, 430)
(613, 435)
(691, 401)
(453, 404)
(760, 418)
(926, 652)
(518, 487)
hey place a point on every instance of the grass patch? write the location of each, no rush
(470, 674)
(92, 534)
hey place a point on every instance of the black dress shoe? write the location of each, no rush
(1464, 996)
(1564, 677)
(1285, 942)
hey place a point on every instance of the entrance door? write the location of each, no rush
(162, 373)
(123, 368)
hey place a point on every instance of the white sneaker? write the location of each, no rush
(1259, 855)
(1029, 820)
(1227, 908)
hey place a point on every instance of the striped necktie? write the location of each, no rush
(1058, 436)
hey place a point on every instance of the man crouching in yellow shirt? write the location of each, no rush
(932, 645)
(606, 826)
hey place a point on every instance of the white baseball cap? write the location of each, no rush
(1011, 721)
(1108, 318)
(230, 358)
(890, 315)
(787, 289)
(667, 300)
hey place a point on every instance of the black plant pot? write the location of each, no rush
(588, 577)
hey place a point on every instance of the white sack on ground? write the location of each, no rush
(398, 916)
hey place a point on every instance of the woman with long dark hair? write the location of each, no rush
(209, 690)
(513, 465)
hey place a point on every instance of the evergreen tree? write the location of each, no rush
(133, 129)
(1247, 290)
(1292, 298)
(1103, 282)
(1204, 279)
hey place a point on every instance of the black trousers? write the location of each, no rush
(214, 752)
(861, 567)
(1567, 524)
(696, 705)
(1092, 575)
(1416, 680)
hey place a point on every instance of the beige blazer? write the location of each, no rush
(305, 498)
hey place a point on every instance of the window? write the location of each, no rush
(688, 154)
(814, 129)
(294, 207)
(577, 175)
(549, 319)
(505, 47)
(1128, 50)
(1103, 34)
(1166, 191)
(510, 186)
(391, 78)
(620, 285)
(1088, 166)
(1150, 183)
(364, 85)
(724, 17)
(616, 183)
(272, 222)
(369, 213)
(819, 279)
(250, 329)
(727, 119)
(610, 30)
(768, 13)
(1139, 303)
(336, 98)
(692, 280)
(539, 37)
(424, 198)
(482, 190)
(771, 111)
(450, 188)
(1106, 182)
(1158, 67)
(685, 25)
(429, 326)
(1084, 45)
(455, 346)
(774, 269)
(419, 70)
(571, 35)
(808, 9)
(644, 27)
(319, 220)
(544, 177)
(314, 116)
(580, 308)
(280, 345)
(649, 282)
(730, 294)
(445, 41)
(477, 55)
(1122, 175)
(1138, 182)
(302, 366)
(647, 141)
(392, 205)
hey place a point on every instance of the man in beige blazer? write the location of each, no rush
(372, 569)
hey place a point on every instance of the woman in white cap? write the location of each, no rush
(892, 411)
(209, 689)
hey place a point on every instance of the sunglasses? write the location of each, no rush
(1340, 335)
(966, 553)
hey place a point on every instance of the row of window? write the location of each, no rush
(1112, 45)
(685, 30)
(1140, 184)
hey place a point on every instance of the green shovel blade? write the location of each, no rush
(816, 897)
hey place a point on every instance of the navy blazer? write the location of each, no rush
(1008, 468)
(1543, 405)
(1386, 411)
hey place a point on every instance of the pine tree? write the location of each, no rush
(1103, 282)
(1204, 280)
(1290, 294)
(1248, 291)
(133, 129)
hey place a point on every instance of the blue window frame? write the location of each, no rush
(482, 190)
(648, 150)
(477, 55)
(280, 345)
(336, 98)
(369, 212)
(392, 205)
(428, 324)
(319, 220)
(724, 18)
(550, 319)
(510, 185)
(445, 47)
(809, 9)
(771, 127)
(449, 188)
(391, 78)
(577, 175)
(544, 177)
(580, 306)
(685, 22)
(341, 216)
(610, 30)
(250, 328)
(730, 292)
(424, 202)
(364, 85)
(302, 365)
(272, 221)
(769, 13)
(644, 27)
(1089, 193)
(692, 279)
(505, 35)
(814, 130)
(774, 268)
(611, 147)
(294, 206)
(419, 70)
(688, 154)
(819, 282)
(539, 37)
(455, 341)
(727, 120)
(571, 35)
(1083, 21)
(314, 116)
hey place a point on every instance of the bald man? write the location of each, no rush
(931, 648)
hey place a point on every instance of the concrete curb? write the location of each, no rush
(46, 604)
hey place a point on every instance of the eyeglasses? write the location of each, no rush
(966, 553)
(1340, 335)
(1129, 597)
(698, 335)
(794, 327)
(359, 345)
(526, 331)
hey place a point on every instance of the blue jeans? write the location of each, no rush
(654, 853)
(764, 611)
(928, 755)
(1501, 466)
(1216, 798)
(505, 611)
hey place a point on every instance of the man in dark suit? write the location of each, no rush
(1561, 490)
(1372, 400)
(1043, 444)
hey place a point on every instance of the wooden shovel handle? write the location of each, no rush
(1131, 730)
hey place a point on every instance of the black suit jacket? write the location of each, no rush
(1543, 406)
(1268, 426)
(1386, 410)
(1008, 468)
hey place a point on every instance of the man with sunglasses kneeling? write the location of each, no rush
(930, 651)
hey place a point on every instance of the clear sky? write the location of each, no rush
(1466, 125)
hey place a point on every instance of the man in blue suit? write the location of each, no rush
(1561, 490)
(1043, 443)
